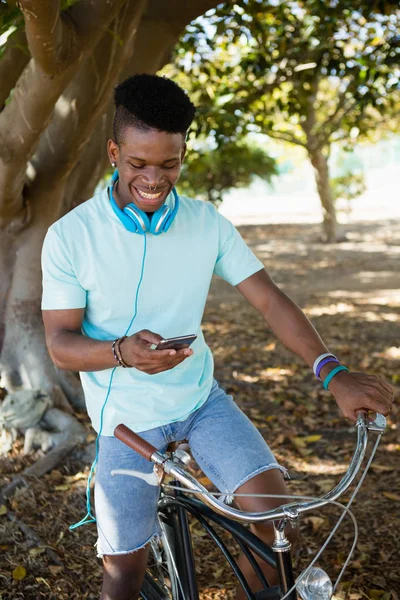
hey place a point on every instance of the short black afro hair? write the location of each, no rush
(151, 102)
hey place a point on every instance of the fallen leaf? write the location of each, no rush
(375, 594)
(316, 522)
(326, 485)
(62, 488)
(36, 551)
(299, 442)
(310, 439)
(270, 347)
(42, 580)
(391, 496)
(3, 510)
(19, 573)
(346, 584)
(218, 572)
(204, 481)
(55, 569)
(199, 532)
(76, 477)
(382, 468)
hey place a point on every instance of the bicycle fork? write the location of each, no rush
(281, 548)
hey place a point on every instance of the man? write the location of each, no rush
(133, 265)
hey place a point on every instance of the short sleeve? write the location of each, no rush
(235, 260)
(61, 288)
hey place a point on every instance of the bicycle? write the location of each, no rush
(171, 569)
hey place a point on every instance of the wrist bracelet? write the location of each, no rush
(119, 353)
(319, 358)
(115, 352)
(324, 362)
(332, 374)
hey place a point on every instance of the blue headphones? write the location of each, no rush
(136, 221)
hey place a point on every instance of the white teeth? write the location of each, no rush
(149, 196)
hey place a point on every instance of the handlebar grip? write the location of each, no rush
(134, 441)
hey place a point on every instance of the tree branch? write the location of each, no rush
(25, 117)
(58, 39)
(286, 137)
(86, 98)
(328, 127)
(92, 163)
(53, 40)
(173, 10)
(12, 63)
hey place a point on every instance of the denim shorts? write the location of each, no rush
(224, 443)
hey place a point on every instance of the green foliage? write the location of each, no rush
(348, 186)
(208, 173)
(309, 72)
(11, 20)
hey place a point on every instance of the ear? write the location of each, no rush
(112, 151)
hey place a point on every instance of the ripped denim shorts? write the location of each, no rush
(224, 443)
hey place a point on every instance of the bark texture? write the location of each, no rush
(56, 110)
(321, 171)
(318, 152)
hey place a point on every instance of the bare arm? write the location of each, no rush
(70, 350)
(283, 316)
(352, 391)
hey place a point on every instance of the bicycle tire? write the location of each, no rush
(161, 579)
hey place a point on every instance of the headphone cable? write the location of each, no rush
(89, 517)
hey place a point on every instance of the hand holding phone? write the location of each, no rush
(138, 350)
(176, 343)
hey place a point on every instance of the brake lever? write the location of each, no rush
(377, 424)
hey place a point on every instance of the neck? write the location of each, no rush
(117, 196)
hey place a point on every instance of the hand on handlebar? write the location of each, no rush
(358, 391)
(136, 351)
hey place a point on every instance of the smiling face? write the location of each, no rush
(146, 159)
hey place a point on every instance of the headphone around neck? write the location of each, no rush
(136, 220)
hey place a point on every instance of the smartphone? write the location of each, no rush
(176, 343)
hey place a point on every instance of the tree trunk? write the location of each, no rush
(25, 363)
(331, 228)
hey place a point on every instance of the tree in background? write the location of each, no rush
(309, 73)
(348, 187)
(207, 174)
(59, 63)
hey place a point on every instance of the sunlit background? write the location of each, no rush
(292, 198)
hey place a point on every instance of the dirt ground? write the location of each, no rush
(351, 292)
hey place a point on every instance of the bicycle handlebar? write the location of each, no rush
(292, 510)
(134, 441)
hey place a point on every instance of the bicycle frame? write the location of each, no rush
(247, 542)
(214, 510)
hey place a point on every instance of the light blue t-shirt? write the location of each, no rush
(89, 260)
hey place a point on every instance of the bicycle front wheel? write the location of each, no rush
(161, 580)
(169, 575)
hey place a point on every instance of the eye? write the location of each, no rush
(170, 167)
(136, 166)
